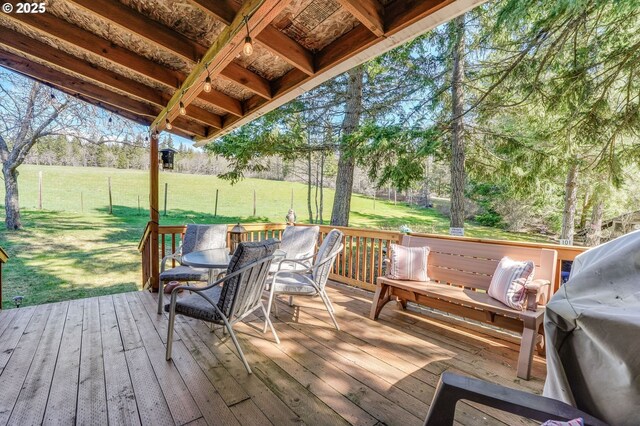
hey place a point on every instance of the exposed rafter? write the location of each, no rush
(223, 10)
(133, 21)
(287, 48)
(258, 14)
(69, 62)
(165, 37)
(138, 111)
(369, 12)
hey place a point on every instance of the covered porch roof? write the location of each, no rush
(141, 59)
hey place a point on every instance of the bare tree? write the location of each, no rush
(29, 112)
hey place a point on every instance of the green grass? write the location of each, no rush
(69, 250)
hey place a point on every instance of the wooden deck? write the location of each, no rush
(101, 361)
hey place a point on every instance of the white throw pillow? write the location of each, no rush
(509, 280)
(408, 263)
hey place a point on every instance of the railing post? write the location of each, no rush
(154, 218)
(3, 259)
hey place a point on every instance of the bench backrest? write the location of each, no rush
(472, 264)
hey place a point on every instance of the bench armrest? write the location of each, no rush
(534, 294)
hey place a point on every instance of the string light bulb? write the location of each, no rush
(183, 109)
(207, 84)
(168, 126)
(247, 49)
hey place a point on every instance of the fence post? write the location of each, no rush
(82, 202)
(215, 211)
(40, 190)
(110, 198)
(166, 187)
(138, 205)
(254, 202)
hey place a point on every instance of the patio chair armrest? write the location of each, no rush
(174, 256)
(453, 388)
(534, 296)
(301, 262)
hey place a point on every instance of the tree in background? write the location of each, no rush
(31, 112)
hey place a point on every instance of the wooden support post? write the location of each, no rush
(154, 267)
(40, 190)
(166, 188)
(215, 210)
(110, 199)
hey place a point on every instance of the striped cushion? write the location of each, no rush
(408, 263)
(509, 280)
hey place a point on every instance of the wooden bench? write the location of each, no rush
(460, 273)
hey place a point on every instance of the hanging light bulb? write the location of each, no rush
(183, 109)
(247, 49)
(169, 126)
(207, 84)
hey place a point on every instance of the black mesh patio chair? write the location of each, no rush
(231, 298)
(196, 238)
(453, 388)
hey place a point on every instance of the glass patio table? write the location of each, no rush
(211, 259)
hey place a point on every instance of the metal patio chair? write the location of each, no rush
(231, 298)
(196, 238)
(308, 281)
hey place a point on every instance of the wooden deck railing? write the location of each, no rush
(361, 259)
(3, 259)
(170, 237)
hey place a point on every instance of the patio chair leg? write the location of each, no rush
(268, 321)
(172, 318)
(330, 305)
(160, 293)
(269, 305)
(237, 345)
(327, 303)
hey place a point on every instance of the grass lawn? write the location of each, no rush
(73, 248)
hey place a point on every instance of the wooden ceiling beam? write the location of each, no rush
(286, 48)
(99, 46)
(259, 14)
(132, 109)
(401, 14)
(369, 12)
(344, 47)
(137, 23)
(223, 10)
(63, 30)
(250, 80)
(69, 62)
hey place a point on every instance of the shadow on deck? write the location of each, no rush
(101, 360)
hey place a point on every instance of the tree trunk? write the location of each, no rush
(586, 205)
(309, 182)
(457, 127)
(595, 230)
(570, 201)
(321, 187)
(346, 163)
(427, 186)
(11, 200)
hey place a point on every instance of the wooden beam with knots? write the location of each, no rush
(254, 14)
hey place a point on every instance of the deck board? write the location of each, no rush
(107, 354)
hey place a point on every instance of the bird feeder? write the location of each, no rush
(166, 158)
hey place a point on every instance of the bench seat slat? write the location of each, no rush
(460, 295)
